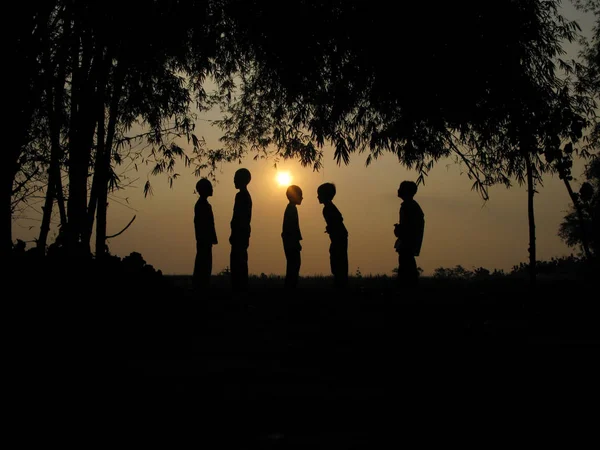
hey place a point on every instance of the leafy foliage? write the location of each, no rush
(570, 230)
(588, 73)
(443, 93)
(567, 266)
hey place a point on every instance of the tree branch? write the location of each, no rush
(115, 235)
(472, 169)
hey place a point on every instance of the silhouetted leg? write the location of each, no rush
(292, 272)
(202, 267)
(234, 267)
(239, 267)
(408, 275)
(338, 257)
(244, 268)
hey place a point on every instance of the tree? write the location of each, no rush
(96, 83)
(25, 47)
(588, 73)
(570, 230)
(587, 85)
(442, 91)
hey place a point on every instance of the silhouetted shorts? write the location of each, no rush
(202, 266)
(239, 266)
(338, 258)
(293, 260)
(408, 274)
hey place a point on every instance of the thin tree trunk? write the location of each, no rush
(80, 150)
(531, 215)
(55, 86)
(94, 193)
(6, 198)
(60, 199)
(72, 232)
(46, 216)
(96, 197)
(59, 89)
(89, 114)
(24, 47)
(106, 160)
(100, 101)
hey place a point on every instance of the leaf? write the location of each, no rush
(147, 189)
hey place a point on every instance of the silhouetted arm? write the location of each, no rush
(204, 224)
(212, 227)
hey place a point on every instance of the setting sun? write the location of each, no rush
(283, 178)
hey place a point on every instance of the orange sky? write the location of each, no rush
(459, 227)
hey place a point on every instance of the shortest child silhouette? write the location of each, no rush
(409, 235)
(291, 236)
(206, 236)
(338, 235)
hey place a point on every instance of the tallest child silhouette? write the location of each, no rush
(240, 231)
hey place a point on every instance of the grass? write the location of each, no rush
(321, 369)
(374, 366)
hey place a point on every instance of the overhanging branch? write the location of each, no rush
(115, 235)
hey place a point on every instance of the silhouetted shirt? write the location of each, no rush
(291, 224)
(412, 227)
(242, 214)
(335, 222)
(204, 223)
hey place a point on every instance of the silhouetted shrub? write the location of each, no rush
(79, 275)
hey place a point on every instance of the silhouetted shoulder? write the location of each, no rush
(334, 220)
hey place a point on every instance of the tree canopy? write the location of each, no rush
(414, 80)
(478, 80)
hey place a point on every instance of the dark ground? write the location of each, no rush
(132, 359)
(452, 364)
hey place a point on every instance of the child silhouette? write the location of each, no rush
(240, 230)
(409, 233)
(206, 236)
(338, 235)
(291, 236)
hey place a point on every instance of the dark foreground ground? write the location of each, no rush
(120, 361)
(450, 364)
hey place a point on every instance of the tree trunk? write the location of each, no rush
(74, 201)
(46, 216)
(60, 199)
(100, 101)
(106, 160)
(83, 121)
(55, 87)
(531, 215)
(8, 173)
(24, 47)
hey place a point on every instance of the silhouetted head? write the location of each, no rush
(294, 194)
(326, 192)
(241, 178)
(204, 188)
(407, 190)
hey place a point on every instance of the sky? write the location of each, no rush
(460, 228)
